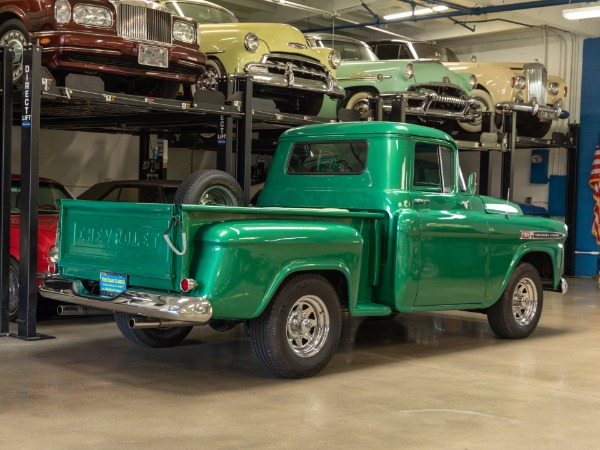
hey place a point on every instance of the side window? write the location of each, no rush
(405, 52)
(328, 158)
(433, 168)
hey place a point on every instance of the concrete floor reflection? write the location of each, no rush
(414, 381)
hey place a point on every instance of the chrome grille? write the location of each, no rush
(536, 76)
(146, 24)
(303, 67)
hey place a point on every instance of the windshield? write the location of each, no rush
(48, 194)
(432, 51)
(350, 51)
(201, 12)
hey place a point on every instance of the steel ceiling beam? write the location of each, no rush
(459, 11)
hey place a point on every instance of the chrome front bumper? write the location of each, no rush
(160, 305)
(540, 111)
(262, 73)
(471, 110)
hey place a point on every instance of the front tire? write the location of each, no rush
(298, 333)
(531, 126)
(210, 187)
(359, 101)
(518, 310)
(150, 337)
(487, 104)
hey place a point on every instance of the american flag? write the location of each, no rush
(595, 185)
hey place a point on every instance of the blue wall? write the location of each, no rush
(587, 265)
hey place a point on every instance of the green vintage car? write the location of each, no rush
(284, 68)
(435, 95)
(372, 218)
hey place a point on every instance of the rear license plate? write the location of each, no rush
(150, 55)
(547, 115)
(112, 284)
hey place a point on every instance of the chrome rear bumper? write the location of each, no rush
(160, 305)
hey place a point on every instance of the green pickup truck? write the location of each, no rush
(364, 218)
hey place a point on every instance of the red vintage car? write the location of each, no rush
(135, 46)
(49, 192)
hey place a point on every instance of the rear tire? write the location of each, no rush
(518, 310)
(210, 187)
(150, 337)
(298, 332)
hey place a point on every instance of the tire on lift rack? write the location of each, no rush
(210, 187)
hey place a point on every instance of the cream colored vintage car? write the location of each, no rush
(538, 98)
(284, 68)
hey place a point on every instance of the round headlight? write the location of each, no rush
(553, 88)
(410, 71)
(251, 42)
(519, 82)
(472, 81)
(184, 32)
(559, 103)
(92, 16)
(335, 59)
(62, 11)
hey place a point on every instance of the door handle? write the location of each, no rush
(421, 200)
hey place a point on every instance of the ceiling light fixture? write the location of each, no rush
(416, 12)
(582, 13)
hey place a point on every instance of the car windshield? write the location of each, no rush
(48, 194)
(140, 194)
(349, 51)
(426, 50)
(201, 12)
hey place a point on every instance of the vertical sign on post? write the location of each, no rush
(6, 83)
(30, 128)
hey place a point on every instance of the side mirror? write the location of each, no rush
(472, 184)
(471, 188)
(473, 58)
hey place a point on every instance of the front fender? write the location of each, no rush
(239, 265)
(554, 252)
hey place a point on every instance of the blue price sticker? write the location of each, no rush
(112, 284)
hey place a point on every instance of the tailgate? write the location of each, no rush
(123, 238)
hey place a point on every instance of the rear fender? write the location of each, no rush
(239, 265)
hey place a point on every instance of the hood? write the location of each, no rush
(498, 206)
(436, 72)
(276, 37)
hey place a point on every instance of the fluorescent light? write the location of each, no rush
(582, 13)
(416, 12)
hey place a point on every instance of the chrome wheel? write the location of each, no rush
(13, 289)
(307, 326)
(525, 302)
(218, 195)
(360, 104)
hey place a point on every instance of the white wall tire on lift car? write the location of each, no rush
(298, 332)
(487, 104)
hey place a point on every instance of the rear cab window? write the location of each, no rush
(328, 158)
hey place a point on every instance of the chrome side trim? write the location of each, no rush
(160, 305)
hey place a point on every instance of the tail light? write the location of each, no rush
(187, 284)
